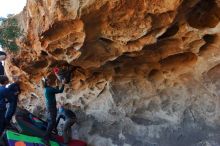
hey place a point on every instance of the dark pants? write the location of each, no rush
(2, 120)
(10, 111)
(2, 71)
(67, 132)
(51, 119)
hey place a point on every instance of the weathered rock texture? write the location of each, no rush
(147, 72)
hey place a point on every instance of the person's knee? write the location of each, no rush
(7, 118)
(10, 111)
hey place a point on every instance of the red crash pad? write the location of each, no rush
(72, 143)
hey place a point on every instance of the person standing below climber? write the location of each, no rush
(3, 56)
(70, 118)
(12, 102)
(50, 99)
(4, 94)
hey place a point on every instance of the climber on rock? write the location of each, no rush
(70, 118)
(4, 94)
(50, 100)
(3, 56)
(64, 72)
(12, 101)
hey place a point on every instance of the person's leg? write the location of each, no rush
(10, 112)
(14, 108)
(52, 114)
(7, 114)
(51, 125)
(70, 133)
(2, 121)
(51, 119)
(46, 138)
(67, 132)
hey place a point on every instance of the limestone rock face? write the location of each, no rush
(146, 72)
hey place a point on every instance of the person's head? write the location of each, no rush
(4, 80)
(46, 82)
(3, 56)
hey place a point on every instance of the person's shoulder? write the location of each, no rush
(7, 89)
(4, 89)
(11, 85)
(48, 88)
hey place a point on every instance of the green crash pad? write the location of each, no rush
(13, 136)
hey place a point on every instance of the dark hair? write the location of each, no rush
(3, 53)
(3, 79)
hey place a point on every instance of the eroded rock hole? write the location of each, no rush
(117, 69)
(43, 53)
(170, 31)
(153, 73)
(209, 38)
(57, 27)
(58, 51)
(58, 63)
(40, 64)
(106, 40)
(205, 14)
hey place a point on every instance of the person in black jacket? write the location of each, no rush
(4, 94)
(2, 58)
(70, 118)
(12, 101)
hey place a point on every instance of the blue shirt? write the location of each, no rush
(4, 94)
(50, 98)
(15, 90)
